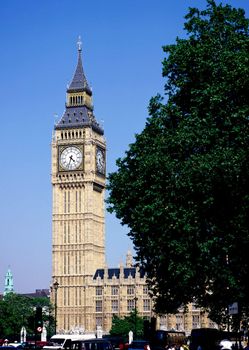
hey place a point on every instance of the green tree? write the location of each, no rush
(183, 186)
(18, 310)
(122, 326)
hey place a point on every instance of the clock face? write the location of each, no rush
(71, 158)
(100, 161)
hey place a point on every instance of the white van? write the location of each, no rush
(60, 341)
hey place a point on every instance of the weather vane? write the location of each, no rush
(79, 43)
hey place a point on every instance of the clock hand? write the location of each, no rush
(70, 158)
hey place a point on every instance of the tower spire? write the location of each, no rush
(79, 105)
(79, 82)
(79, 44)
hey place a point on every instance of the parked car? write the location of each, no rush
(63, 341)
(91, 344)
(16, 345)
(139, 345)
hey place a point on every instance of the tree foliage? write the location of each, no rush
(122, 326)
(17, 311)
(183, 186)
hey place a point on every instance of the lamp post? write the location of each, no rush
(135, 328)
(55, 285)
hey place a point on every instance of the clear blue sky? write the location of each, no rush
(122, 54)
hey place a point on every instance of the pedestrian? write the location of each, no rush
(247, 346)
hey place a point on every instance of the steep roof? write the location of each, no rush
(79, 82)
(80, 114)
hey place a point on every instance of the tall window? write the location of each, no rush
(99, 306)
(145, 290)
(65, 202)
(79, 200)
(99, 291)
(99, 321)
(79, 231)
(146, 304)
(65, 296)
(79, 262)
(68, 295)
(76, 201)
(65, 232)
(179, 322)
(130, 304)
(65, 263)
(76, 296)
(68, 201)
(195, 321)
(76, 232)
(114, 290)
(68, 232)
(114, 305)
(68, 263)
(130, 290)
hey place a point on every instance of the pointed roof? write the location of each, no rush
(82, 115)
(79, 82)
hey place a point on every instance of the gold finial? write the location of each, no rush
(79, 43)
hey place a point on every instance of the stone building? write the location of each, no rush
(87, 292)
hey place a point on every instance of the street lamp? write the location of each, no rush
(135, 330)
(55, 285)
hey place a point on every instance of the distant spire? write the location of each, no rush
(129, 259)
(8, 285)
(79, 82)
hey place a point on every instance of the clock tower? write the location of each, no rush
(78, 186)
